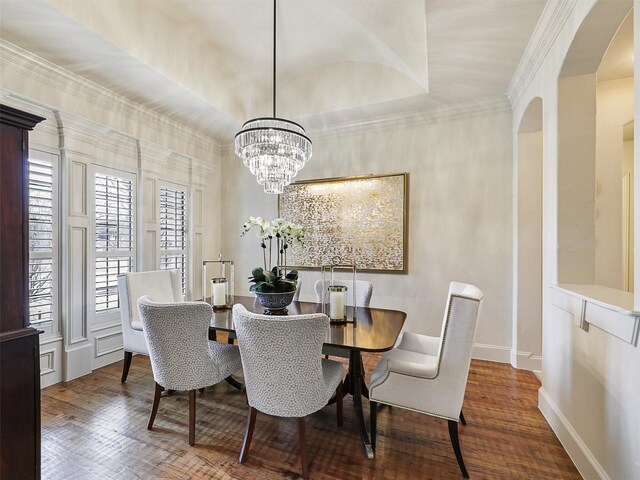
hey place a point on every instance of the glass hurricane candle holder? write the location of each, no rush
(219, 292)
(224, 278)
(337, 303)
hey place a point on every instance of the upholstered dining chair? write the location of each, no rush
(283, 371)
(161, 286)
(429, 374)
(364, 290)
(182, 357)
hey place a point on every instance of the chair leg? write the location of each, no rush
(303, 447)
(192, 417)
(126, 365)
(462, 419)
(251, 422)
(373, 414)
(339, 397)
(453, 434)
(154, 407)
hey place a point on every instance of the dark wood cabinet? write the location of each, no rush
(19, 344)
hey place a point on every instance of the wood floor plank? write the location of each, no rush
(95, 428)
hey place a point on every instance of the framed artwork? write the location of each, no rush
(352, 219)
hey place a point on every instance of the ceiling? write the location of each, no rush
(208, 63)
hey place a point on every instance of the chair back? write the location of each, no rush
(281, 359)
(158, 285)
(456, 339)
(364, 290)
(177, 336)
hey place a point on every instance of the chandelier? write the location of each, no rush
(273, 148)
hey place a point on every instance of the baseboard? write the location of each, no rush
(526, 361)
(578, 451)
(491, 353)
(77, 361)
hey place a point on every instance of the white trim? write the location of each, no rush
(551, 23)
(34, 67)
(576, 448)
(491, 353)
(408, 118)
(160, 184)
(78, 360)
(99, 338)
(526, 361)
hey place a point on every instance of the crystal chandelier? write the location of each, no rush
(273, 148)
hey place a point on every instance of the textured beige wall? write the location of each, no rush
(459, 215)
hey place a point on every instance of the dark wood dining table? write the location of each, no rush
(372, 330)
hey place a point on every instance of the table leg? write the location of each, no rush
(363, 385)
(356, 381)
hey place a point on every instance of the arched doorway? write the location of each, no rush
(526, 350)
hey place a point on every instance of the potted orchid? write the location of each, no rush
(272, 283)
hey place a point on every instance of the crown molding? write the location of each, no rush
(401, 120)
(415, 118)
(46, 73)
(553, 18)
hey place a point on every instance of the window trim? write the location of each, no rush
(187, 225)
(111, 313)
(53, 328)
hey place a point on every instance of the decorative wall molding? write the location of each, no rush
(46, 134)
(413, 119)
(584, 460)
(53, 76)
(108, 343)
(47, 362)
(552, 20)
(401, 120)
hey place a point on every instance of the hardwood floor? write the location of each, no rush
(95, 428)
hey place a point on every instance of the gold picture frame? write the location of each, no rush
(361, 220)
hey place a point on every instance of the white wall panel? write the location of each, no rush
(78, 189)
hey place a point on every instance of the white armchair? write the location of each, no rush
(182, 357)
(429, 374)
(284, 373)
(161, 286)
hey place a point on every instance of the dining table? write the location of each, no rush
(366, 330)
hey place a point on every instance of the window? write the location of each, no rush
(114, 241)
(173, 231)
(43, 266)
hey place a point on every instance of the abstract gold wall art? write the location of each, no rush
(353, 219)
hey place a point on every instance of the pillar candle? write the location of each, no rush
(219, 294)
(336, 305)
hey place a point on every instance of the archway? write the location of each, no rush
(526, 350)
